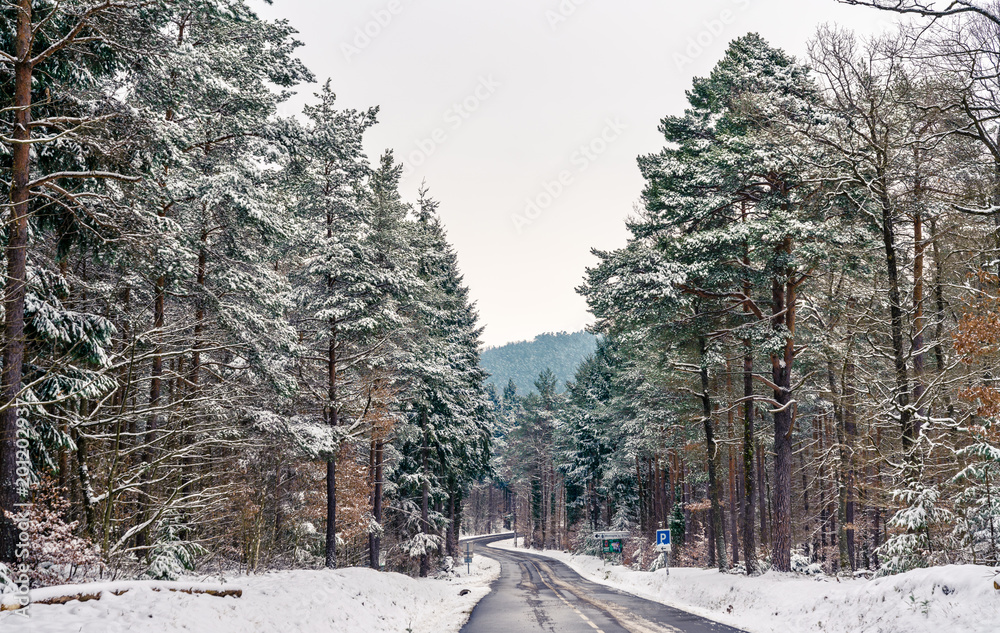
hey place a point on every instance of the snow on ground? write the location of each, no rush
(353, 600)
(951, 599)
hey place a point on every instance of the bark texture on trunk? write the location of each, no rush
(749, 542)
(783, 319)
(15, 285)
(331, 513)
(425, 494)
(899, 351)
(374, 539)
(714, 492)
(331, 464)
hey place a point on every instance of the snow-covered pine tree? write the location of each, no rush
(350, 269)
(446, 444)
(197, 80)
(60, 158)
(199, 299)
(727, 199)
(217, 319)
(590, 428)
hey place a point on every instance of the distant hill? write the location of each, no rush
(523, 361)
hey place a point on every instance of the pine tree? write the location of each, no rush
(448, 440)
(61, 160)
(343, 287)
(734, 190)
(204, 98)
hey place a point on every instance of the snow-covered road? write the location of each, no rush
(946, 599)
(536, 594)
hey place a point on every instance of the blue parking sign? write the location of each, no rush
(663, 537)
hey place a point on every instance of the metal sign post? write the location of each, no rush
(663, 546)
(468, 557)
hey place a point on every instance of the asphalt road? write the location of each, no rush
(536, 594)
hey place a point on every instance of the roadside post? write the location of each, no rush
(468, 557)
(663, 546)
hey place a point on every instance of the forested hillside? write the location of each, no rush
(799, 343)
(524, 360)
(226, 335)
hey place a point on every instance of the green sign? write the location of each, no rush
(611, 546)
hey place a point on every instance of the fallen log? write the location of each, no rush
(83, 593)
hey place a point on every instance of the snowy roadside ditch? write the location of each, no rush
(934, 600)
(359, 600)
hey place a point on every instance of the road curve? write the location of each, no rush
(535, 594)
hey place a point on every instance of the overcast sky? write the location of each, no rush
(525, 117)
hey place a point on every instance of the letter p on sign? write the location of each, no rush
(663, 538)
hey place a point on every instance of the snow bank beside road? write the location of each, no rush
(955, 598)
(357, 600)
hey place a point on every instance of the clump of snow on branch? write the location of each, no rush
(422, 544)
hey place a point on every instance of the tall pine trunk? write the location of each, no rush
(375, 539)
(425, 490)
(714, 492)
(749, 542)
(455, 509)
(450, 543)
(734, 530)
(783, 321)
(747, 510)
(194, 378)
(15, 285)
(543, 482)
(142, 537)
(765, 532)
(331, 463)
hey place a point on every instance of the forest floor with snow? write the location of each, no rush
(949, 599)
(351, 599)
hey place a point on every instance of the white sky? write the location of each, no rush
(540, 79)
